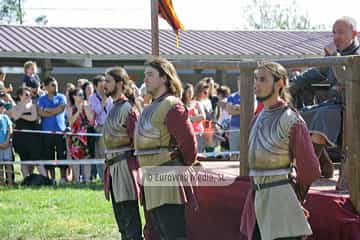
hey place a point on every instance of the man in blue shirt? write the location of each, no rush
(52, 113)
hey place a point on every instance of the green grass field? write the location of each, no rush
(63, 212)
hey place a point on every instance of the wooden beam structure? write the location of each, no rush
(247, 112)
(46, 68)
(155, 47)
(352, 112)
(352, 129)
(236, 65)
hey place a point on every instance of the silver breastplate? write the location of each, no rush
(269, 139)
(147, 136)
(115, 127)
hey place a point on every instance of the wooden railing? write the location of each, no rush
(345, 66)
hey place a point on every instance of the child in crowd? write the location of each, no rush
(30, 73)
(5, 147)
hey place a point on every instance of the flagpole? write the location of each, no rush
(154, 27)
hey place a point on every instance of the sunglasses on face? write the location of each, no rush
(53, 85)
(26, 94)
(80, 95)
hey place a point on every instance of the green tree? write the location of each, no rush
(12, 11)
(265, 14)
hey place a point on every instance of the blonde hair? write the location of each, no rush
(279, 73)
(200, 87)
(29, 64)
(166, 68)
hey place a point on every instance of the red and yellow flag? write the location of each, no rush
(167, 12)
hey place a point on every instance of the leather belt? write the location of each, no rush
(153, 151)
(112, 158)
(118, 150)
(269, 172)
(261, 186)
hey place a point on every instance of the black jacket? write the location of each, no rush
(317, 75)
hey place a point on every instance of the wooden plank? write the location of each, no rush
(234, 65)
(246, 114)
(352, 89)
(155, 49)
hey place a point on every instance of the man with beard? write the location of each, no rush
(164, 140)
(120, 163)
(323, 131)
(278, 143)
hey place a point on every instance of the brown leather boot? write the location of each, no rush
(326, 165)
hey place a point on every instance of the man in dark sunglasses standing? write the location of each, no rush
(52, 112)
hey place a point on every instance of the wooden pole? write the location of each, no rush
(246, 114)
(219, 76)
(46, 68)
(352, 92)
(155, 27)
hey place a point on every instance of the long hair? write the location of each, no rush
(84, 86)
(74, 92)
(200, 87)
(184, 97)
(119, 74)
(279, 73)
(20, 91)
(167, 69)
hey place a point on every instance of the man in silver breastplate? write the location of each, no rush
(165, 140)
(278, 141)
(119, 160)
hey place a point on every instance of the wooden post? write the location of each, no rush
(46, 68)
(246, 114)
(220, 76)
(155, 27)
(353, 131)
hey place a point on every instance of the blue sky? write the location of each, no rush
(195, 14)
